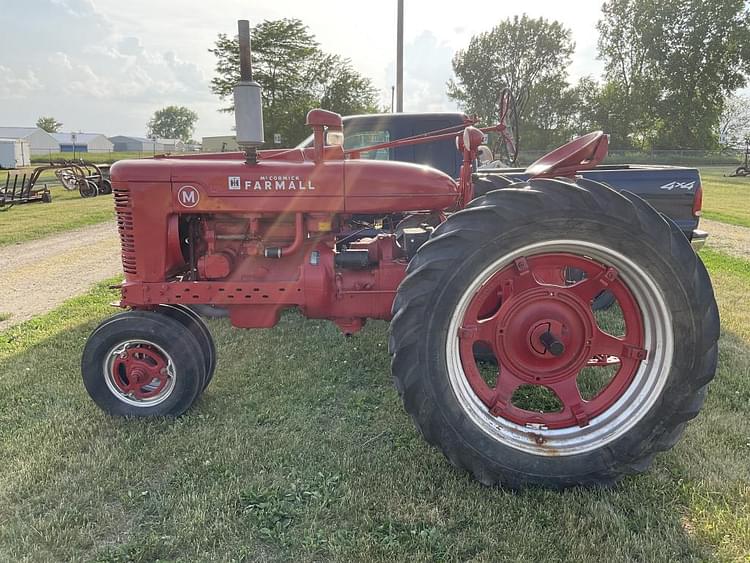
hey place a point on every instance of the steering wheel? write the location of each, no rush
(507, 126)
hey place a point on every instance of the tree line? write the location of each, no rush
(670, 69)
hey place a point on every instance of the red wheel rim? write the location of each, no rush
(139, 372)
(526, 304)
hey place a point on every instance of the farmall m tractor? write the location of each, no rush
(496, 352)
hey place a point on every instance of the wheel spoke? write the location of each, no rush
(505, 386)
(481, 331)
(570, 396)
(604, 344)
(589, 288)
(523, 278)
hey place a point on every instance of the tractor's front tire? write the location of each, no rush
(574, 397)
(143, 363)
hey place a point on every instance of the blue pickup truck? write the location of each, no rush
(675, 191)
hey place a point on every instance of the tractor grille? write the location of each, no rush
(125, 227)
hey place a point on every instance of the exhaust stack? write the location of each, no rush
(248, 106)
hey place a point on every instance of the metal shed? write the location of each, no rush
(83, 142)
(14, 153)
(39, 140)
(123, 143)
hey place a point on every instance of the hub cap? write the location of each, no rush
(139, 373)
(543, 333)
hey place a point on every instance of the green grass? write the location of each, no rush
(300, 449)
(67, 211)
(97, 158)
(725, 199)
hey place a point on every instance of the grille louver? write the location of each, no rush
(125, 227)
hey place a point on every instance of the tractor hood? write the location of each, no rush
(293, 182)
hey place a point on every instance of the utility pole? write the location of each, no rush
(400, 58)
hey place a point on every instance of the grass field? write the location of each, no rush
(300, 449)
(725, 199)
(67, 211)
(97, 158)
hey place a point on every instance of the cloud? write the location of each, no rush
(427, 69)
(80, 61)
(15, 85)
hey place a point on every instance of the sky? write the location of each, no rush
(106, 66)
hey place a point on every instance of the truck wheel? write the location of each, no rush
(142, 363)
(572, 399)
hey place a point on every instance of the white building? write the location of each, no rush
(222, 143)
(171, 145)
(39, 140)
(14, 153)
(83, 142)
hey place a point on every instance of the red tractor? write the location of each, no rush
(496, 351)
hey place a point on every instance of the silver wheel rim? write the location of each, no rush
(617, 420)
(127, 398)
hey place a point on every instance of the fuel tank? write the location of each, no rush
(379, 186)
(291, 181)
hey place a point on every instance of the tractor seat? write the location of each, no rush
(583, 153)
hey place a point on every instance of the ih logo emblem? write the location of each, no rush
(234, 183)
(188, 196)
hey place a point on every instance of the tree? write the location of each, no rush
(734, 123)
(172, 122)
(295, 76)
(669, 66)
(49, 124)
(531, 56)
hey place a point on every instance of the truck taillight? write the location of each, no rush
(698, 201)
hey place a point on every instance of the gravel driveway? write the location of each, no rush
(37, 276)
(731, 239)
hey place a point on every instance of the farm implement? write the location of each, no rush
(88, 178)
(743, 170)
(23, 188)
(488, 282)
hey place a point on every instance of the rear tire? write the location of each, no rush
(671, 318)
(485, 183)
